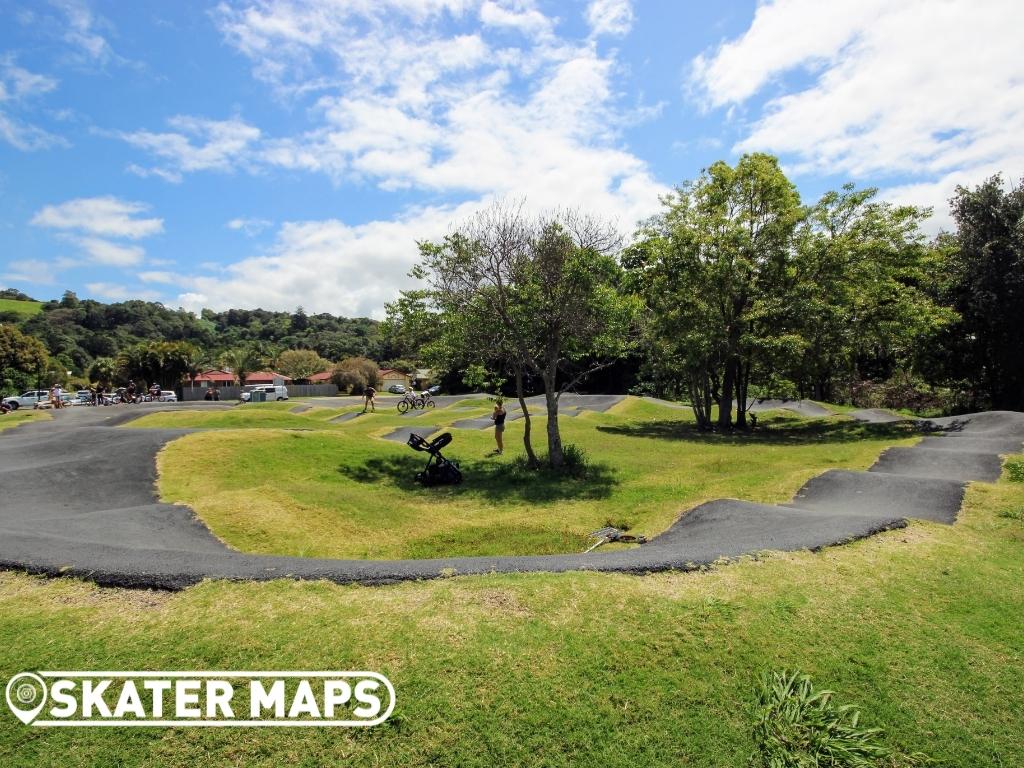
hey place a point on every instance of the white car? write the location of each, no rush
(32, 398)
(272, 392)
(167, 396)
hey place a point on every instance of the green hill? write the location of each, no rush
(21, 308)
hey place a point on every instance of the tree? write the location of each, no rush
(243, 361)
(985, 264)
(103, 372)
(542, 294)
(161, 362)
(859, 272)
(355, 374)
(715, 263)
(22, 358)
(300, 364)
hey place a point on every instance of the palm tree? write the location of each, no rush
(242, 361)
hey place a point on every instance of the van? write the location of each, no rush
(271, 391)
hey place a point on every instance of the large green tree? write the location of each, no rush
(22, 358)
(547, 291)
(983, 279)
(716, 265)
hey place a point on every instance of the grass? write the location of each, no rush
(269, 481)
(919, 627)
(21, 308)
(21, 416)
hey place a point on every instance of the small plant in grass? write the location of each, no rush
(1012, 514)
(1015, 471)
(799, 727)
(576, 465)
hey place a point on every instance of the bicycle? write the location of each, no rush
(409, 400)
(426, 400)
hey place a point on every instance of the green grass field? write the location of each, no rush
(297, 484)
(21, 308)
(921, 626)
(14, 418)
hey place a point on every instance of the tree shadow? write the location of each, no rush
(780, 430)
(494, 480)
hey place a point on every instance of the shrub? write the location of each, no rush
(798, 727)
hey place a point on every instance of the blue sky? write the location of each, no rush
(278, 153)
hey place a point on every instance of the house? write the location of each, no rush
(324, 377)
(215, 378)
(268, 377)
(421, 378)
(389, 377)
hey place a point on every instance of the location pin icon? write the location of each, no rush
(26, 696)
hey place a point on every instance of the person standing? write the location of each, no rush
(369, 393)
(498, 416)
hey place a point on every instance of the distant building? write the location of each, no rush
(389, 377)
(324, 377)
(215, 378)
(268, 377)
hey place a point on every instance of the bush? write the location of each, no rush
(798, 727)
(902, 391)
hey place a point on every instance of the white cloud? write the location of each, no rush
(17, 83)
(518, 16)
(81, 31)
(102, 251)
(610, 17)
(119, 292)
(509, 108)
(925, 90)
(249, 226)
(159, 277)
(105, 216)
(195, 144)
(329, 265)
(16, 86)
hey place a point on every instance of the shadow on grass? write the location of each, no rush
(493, 480)
(780, 430)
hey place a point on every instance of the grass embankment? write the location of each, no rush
(21, 308)
(20, 416)
(269, 481)
(920, 626)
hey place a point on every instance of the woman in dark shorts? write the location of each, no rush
(499, 425)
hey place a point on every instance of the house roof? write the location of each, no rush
(386, 371)
(269, 376)
(322, 376)
(215, 375)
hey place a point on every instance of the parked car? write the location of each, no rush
(167, 396)
(273, 392)
(396, 389)
(84, 395)
(434, 389)
(27, 399)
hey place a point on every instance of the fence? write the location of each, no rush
(232, 393)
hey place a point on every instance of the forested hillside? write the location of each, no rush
(76, 332)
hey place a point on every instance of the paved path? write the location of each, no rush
(79, 499)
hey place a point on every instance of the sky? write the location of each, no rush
(278, 153)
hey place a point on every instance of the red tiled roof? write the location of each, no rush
(265, 377)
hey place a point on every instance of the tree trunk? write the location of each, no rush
(531, 457)
(743, 381)
(555, 456)
(725, 401)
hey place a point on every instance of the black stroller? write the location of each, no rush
(439, 470)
